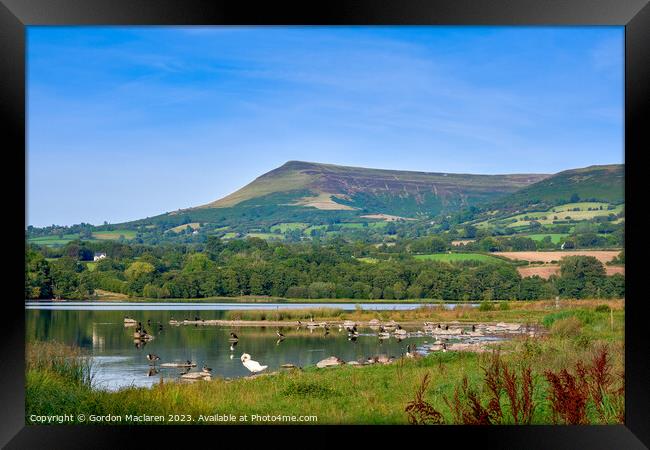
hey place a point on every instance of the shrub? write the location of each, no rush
(603, 308)
(309, 389)
(568, 327)
(486, 306)
(419, 411)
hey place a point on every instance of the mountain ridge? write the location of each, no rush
(335, 186)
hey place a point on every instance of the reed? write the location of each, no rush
(284, 314)
(70, 363)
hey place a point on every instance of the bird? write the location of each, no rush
(400, 330)
(444, 346)
(280, 335)
(251, 365)
(439, 326)
(446, 327)
(473, 328)
(233, 337)
(409, 354)
(206, 369)
(153, 358)
(149, 322)
(160, 327)
(383, 334)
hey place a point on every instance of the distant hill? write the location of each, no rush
(594, 183)
(330, 187)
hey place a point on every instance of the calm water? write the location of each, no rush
(119, 362)
(125, 306)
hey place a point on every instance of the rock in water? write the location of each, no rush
(329, 362)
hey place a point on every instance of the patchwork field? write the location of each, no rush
(546, 271)
(546, 257)
(570, 211)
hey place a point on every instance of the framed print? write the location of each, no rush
(335, 220)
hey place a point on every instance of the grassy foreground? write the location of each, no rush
(571, 375)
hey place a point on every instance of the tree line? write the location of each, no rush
(334, 269)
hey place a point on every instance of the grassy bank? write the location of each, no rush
(579, 332)
(106, 296)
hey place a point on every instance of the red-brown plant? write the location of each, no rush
(421, 412)
(467, 407)
(569, 394)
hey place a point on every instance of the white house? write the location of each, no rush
(99, 256)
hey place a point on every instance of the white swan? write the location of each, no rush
(251, 365)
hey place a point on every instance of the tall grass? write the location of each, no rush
(284, 314)
(70, 363)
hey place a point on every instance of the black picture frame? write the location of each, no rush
(15, 15)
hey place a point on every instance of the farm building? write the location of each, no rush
(99, 256)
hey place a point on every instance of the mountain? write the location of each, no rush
(330, 187)
(599, 183)
(304, 194)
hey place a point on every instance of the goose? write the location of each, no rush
(152, 358)
(444, 346)
(149, 322)
(233, 337)
(383, 334)
(206, 369)
(400, 331)
(408, 352)
(280, 335)
(160, 327)
(353, 331)
(251, 365)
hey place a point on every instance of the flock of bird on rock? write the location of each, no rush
(384, 331)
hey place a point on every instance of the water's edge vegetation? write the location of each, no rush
(572, 374)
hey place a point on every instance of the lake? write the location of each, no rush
(120, 361)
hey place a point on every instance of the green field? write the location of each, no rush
(556, 238)
(314, 227)
(114, 235)
(289, 226)
(54, 240)
(562, 212)
(452, 257)
(269, 236)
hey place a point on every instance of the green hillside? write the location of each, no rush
(593, 183)
(301, 191)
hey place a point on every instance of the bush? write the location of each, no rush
(486, 306)
(568, 327)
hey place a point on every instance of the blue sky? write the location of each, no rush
(130, 122)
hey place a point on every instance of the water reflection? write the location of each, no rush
(120, 360)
